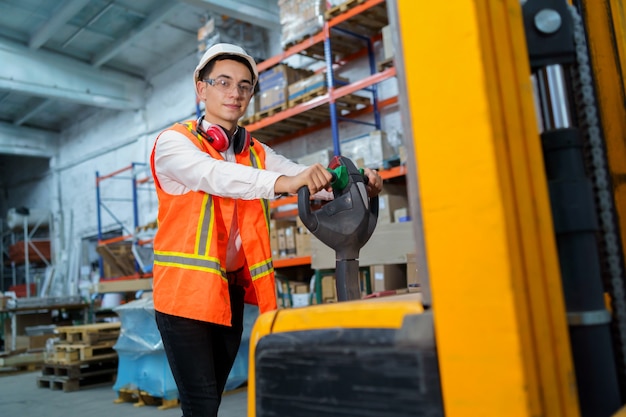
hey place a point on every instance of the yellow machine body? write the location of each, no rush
(476, 167)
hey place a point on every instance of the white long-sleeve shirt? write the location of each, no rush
(181, 167)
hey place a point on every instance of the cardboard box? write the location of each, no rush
(392, 198)
(323, 157)
(300, 18)
(28, 343)
(272, 97)
(282, 243)
(373, 149)
(300, 300)
(303, 244)
(388, 277)
(329, 289)
(274, 85)
(389, 244)
(401, 215)
(316, 82)
(290, 240)
(388, 50)
(278, 237)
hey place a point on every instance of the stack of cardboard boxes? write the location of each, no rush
(274, 86)
(289, 238)
(302, 18)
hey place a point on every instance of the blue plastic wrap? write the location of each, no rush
(142, 362)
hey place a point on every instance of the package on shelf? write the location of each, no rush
(207, 36)
(333, 3)
(300, 300)
(316, 83)
(274, 85)
(272, 98)
(370, 150)
(388, 277)
(299, 288)
(412, 280)
(282, 238)
(388, 245)
(388, 50)
(323, 157)
(230, 30)
(303, 239)
(289, 248)
(118, 259)
(392, 198)
(299, 19)
(329, 289)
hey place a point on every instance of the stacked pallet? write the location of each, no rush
(83, 356)
(139, 398)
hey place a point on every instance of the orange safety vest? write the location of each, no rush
(189, 275)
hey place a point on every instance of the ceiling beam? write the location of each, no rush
(51, 76)
(59, 17)
(25, 141)
(35, 110)
(265, 16)
(154, 18)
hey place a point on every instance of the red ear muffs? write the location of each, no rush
(217, 138)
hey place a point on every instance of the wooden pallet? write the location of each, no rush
(367, 23)
(81, 369)
(88, 333)
(66, 384)
(303, 38)
(18, 369)
(249, 120)
(270, 112)
(312, 117)
(384, 64)
(66, 353)
(141, 398)
(20, 362)
(96, 371)
(309, 95)
(341, 8)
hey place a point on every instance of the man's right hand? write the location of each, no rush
(316, 178)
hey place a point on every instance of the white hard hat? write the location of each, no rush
(224, 49)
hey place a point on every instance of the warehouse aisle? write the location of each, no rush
(20, 396)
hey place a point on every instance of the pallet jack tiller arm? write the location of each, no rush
(344, 224)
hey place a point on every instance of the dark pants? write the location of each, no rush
(201, 355)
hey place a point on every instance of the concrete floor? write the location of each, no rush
(21, 397)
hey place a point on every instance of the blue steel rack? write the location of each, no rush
(101, 205)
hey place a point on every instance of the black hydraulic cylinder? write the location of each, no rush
(576, 228)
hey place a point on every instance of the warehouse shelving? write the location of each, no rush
(130, 173)
(327, 108)
(363, 22)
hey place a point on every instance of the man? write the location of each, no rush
(212, 251)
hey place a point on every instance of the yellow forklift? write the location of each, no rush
(515, 120)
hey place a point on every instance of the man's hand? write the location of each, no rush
(375, 182)
(316, 177)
